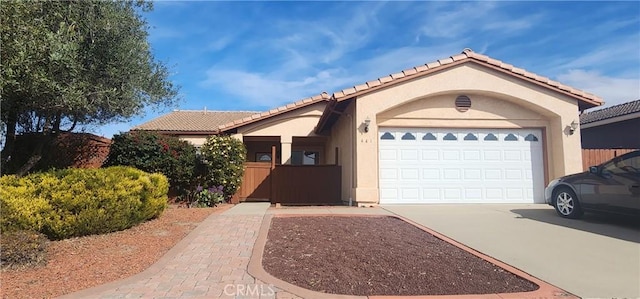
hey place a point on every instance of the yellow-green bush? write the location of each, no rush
(77, 202)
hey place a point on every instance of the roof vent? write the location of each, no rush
(463, 103)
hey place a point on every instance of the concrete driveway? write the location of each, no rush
(595, 257)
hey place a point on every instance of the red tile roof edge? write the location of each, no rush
(274, 111)
(466, 55)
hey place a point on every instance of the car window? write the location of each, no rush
(630, 165)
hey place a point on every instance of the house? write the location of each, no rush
(192, 125)
(467, 128)
(615, 127)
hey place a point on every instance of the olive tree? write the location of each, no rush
(70, 63)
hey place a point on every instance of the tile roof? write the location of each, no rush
(610, 112)
(204, 121)
(273, 112)
(466, 55)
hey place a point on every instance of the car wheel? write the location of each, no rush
(566, 203)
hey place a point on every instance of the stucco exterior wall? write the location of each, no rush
(296, 123)
(498, 101)
(343, 134)
(300, 122)
(196, 140)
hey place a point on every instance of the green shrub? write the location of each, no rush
(223, 158)
(152, 152)
(23, 248)
(77, 202)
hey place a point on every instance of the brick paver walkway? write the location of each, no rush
(211, 262)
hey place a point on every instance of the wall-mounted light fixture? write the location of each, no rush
(367, 121)
(572, 127)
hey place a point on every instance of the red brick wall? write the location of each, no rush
(78, 150)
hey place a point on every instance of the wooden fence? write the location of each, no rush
(306, 184)
(290, 184)
(592, 157)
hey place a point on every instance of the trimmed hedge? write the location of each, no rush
(78, 202)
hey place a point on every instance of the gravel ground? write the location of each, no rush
(80, 263)
(377, 256)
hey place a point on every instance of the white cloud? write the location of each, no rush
(397, 60)
(327, 40)
(616, 51)
(613, 90)
(278, 87)
(512, 25)
(267, 90)
(219, 43)
(304, 58)
(457, 19)
(447, 21)
(296, 56)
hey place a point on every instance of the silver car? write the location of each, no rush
(611, 187)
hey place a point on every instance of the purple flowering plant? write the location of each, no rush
(203, 197)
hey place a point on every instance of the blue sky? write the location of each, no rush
(259, 55)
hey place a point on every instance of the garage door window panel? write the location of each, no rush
(470, 137)
(510, 137)
(408, 136)
(450, 137)
(531, 137)
(429, 137)
(387, 136)
(490, 137)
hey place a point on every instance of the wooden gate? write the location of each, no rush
(256, 183)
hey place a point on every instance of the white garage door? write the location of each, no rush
(460, 165)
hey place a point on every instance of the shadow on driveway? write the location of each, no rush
(623, 228)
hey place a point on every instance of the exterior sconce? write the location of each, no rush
(572, 127)
(367, 121)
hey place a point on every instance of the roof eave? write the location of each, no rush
(323, 97)
(179, 132)
(328, 110)
(587, 102)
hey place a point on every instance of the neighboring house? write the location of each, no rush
(615, 127)
(192, 125)
(467, 128)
